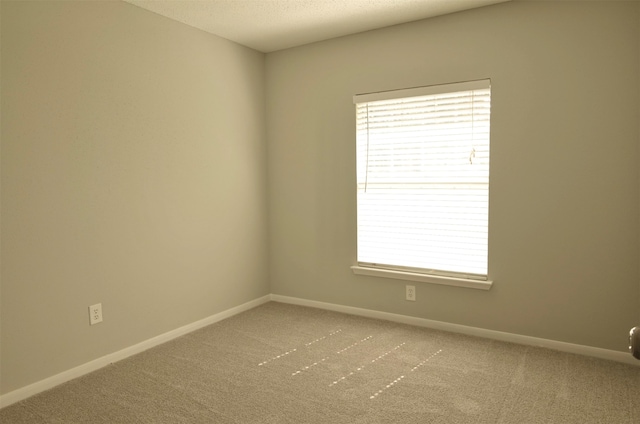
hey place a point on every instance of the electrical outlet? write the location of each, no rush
(411, 293)
(95, 313)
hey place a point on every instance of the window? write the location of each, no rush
(423, 181)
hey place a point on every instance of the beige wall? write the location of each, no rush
(564, 205)
(133, 174)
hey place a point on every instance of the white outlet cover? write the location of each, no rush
(95, 313)
(411, 292)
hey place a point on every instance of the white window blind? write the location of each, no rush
(423, 179)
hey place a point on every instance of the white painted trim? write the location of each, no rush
(595, 352)
(79, 371)
(423, 278)
(48, 383)
(423, 91)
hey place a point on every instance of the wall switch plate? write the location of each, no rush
(411, 293)
(95, 313)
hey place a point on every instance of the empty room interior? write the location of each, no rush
(180, 180)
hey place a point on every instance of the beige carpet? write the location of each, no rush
(287, 364)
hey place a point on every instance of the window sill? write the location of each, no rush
(425, 278)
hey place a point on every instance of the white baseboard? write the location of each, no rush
(595, 352)
(48, 383)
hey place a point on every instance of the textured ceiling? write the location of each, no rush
(269, 25)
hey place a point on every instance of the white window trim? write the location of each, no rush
(421, 91)
(409, 275)
(423, 278)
